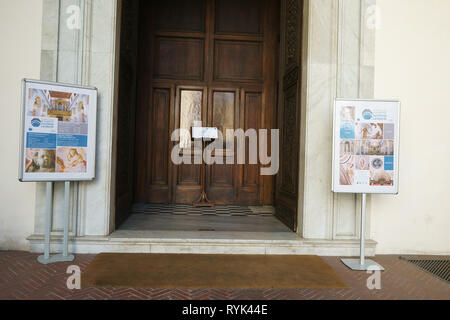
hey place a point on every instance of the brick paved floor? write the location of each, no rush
(22, 277)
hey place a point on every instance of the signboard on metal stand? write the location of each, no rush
(365, 155)
(58, 137)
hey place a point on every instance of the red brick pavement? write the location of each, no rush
(22, 277)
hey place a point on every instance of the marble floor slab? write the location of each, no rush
(170, 222)
(170, 217)
(218, 210)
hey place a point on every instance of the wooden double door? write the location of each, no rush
(208, 61)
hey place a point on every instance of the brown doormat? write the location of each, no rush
(187, 271)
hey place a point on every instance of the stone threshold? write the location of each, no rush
(205, 243)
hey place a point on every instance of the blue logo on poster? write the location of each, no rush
(348, 131)
(36, 123)
(367, 114)
(389, 163)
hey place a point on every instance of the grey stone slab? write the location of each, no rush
(172, 222)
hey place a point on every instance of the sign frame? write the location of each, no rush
(365, 189)
(90, 158)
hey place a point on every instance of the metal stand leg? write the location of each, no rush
(48, 216)
(362, 248)
(66, 218)
(64, 257)
(362, 263)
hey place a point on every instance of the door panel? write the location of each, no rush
(239, 17)
(180, 15)
(287, 190)
(287, 182)
(158, 164)
(191, 102)
(190, 107)
(223, 114)
(248, 177)
(126, 111)
(160, 156)
(179, 58)
(238, 61)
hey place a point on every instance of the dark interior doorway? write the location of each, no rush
(215, 61)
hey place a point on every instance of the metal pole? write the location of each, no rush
(362, 263)
(363, 229)
(64, 257)
(66, 218)
(48, 217)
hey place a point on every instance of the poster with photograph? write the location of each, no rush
(58, 132)
(365, 146)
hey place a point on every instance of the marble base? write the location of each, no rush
(355, 264)
(206, 243)
(56, 258)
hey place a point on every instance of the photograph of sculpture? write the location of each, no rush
(40, 160)
(362, 162)
(71, 160)
(369, 131)
(348, 114)
(347, 174)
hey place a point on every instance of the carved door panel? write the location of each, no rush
(126, 114)
(287, 180)
(289, 116)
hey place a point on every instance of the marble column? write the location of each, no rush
(338, 45)
(79, 41)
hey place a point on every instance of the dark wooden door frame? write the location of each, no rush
(289, 113)
(127, 93)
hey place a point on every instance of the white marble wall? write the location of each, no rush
(54, 67)
(337, 61)
(84, 56)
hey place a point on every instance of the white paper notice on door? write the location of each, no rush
(204, 133)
